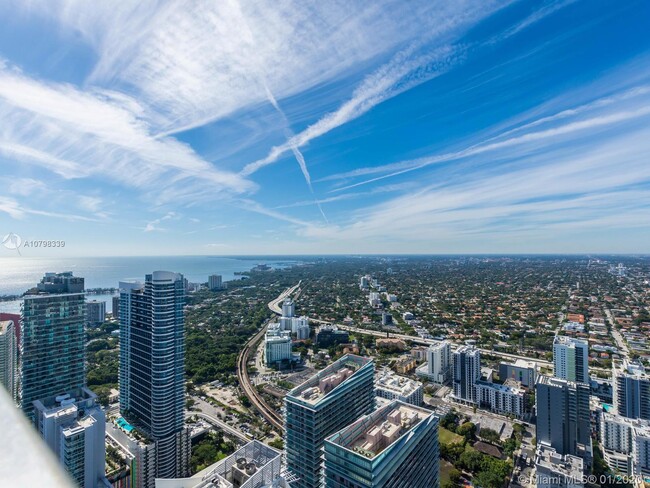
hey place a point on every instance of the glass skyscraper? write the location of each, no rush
(52, 339)
(395, 446)
(152, 367)
(324, 404)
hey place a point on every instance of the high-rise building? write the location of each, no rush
(466, 372)
(52, 346)
(152, 366)
(395, 446)
(438, 366)
(570, 359)
(95, 312)
(215, 282)
(506, 399)
(632, 391)
(393, 387)
(9, 357)
(330, 400)
(288, 308)
(116, 307)
(626, 444)
(563, 420)
(73, 426)
(277, 345)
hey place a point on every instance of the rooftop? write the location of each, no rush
(569, 341)
(374, 433)
(547, 457)
(398, 384)
(522, 363)
(324, 382)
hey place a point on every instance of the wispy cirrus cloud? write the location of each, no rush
(98, 134)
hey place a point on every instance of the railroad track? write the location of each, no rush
(249, 390)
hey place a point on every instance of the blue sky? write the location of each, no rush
(132, 128)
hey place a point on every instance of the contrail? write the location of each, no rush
(289, 134)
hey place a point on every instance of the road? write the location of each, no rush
(274, 304)
(427, 342)
(210, 414)
(620, 342)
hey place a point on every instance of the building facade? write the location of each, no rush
(73, 427)
(152, 366)
(95, 312)
(626, 444)
(570, 359)
(439, 363)
(52, 346)
(395, 446)
(525, 372)
(288, 308)
(277, 345)
(215, 282)
(501, 399)
(466, 372)
(563, 420)
(632, 391)
(324, 404)
(9, 358)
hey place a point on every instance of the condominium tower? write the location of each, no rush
(52, 339)
(563, 420)
(395, 446)
(324, 404)
(152, 356)
(632, 391)
(466, 372)
(570, 359)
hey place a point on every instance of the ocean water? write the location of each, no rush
(21, 273)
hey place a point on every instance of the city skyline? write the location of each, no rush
(467, 127)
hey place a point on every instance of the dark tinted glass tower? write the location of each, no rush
(152, 366)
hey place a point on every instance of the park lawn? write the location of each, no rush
(445, 468)
(448, 437)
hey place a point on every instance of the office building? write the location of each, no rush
(525, 372)
(277, 345)
(95, 312)
(254, 465)
(466, 372)
(73, 427)
(288, 308)
(215, 282)
(330, 335)
(52, 346)
(394, 387)
(9, 358)
(506, 399)
(632, 391)
(395, 446)
(555, 470)
(152, 367)
(570, 359)
(438, 366)
(563, 420)
(330, 400)
(626, 444)
(116, 307)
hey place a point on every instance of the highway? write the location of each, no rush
(275, 304)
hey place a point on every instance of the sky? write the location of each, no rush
(309, 127)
